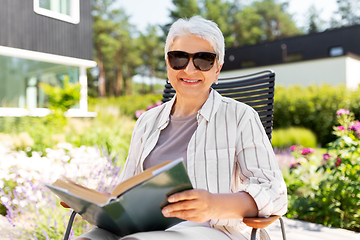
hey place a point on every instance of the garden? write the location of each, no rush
(316, 135)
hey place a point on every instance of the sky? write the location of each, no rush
(144, 12)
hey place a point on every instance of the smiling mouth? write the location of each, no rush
(189, 81)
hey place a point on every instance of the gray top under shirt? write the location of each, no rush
(173, 141)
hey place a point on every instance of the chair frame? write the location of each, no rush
(256, 90)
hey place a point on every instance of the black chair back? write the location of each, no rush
(256, 90)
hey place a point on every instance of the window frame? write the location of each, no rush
(74, 17)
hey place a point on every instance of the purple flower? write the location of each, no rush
(340, 128)
(355, 127)
(326, 156)
(10, 220)
(138, 113)
(307, 151)
(158, 103)
(293, 148)
(342, 111)
(294, 165)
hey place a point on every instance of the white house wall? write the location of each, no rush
(334, 71)
(352, 73)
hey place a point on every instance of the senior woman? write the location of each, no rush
(228, 156)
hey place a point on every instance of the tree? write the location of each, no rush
(152, 52)
(222, 13)
(247, 27)
(184, 9)
(349, 11)
(260, 21)
(126, 55)
(275, 22)
(314, 21)
(103, 26)
(116, 51)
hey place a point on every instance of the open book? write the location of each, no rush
(134, 205)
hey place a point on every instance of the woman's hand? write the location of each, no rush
(193, 205)
(200, 205)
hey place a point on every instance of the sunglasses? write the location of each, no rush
(202, 61)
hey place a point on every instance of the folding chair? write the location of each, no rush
(256, 90)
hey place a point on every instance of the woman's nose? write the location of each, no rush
(190, 67)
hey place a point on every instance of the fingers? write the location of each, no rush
(186, 195)
(193, 205)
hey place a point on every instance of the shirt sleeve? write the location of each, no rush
(259, 173)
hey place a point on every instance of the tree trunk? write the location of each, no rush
(128, 86)
(119, 82)
(101, 79)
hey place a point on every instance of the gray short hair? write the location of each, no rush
(199, 27)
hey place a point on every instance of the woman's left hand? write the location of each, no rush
(193, 205)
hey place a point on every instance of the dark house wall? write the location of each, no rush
(299, 48)
(21, 27)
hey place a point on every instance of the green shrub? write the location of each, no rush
(286, 137)
(126, 105)
(111, 130)
(330, 195)
(313, 107)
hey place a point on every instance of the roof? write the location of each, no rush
(334, 42)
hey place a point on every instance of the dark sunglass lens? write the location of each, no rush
(204, 61)
(178, 60)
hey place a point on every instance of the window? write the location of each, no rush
(336, 51)
(20, 79)
(65, 10)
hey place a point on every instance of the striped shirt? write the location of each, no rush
(229, 152)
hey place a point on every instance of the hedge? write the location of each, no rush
(314, 107)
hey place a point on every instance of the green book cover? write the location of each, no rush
(137, 209)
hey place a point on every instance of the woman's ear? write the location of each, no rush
(218, 72)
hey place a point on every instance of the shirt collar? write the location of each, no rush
(210, 106)
(207, 110)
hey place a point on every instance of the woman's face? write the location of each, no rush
(191, 82)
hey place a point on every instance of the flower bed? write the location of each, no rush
(30, 205)
(326, 189)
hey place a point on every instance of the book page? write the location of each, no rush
(135, 180)
(85, 193)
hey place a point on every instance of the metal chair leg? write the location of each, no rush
(282, 228)
(70, 223)
(253, 233)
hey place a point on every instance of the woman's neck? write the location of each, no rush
(184, 106)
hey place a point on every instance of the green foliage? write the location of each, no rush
(184, 9)
(40, 132)
(126, 105)
(313, 107)
(286, 137)
(111, 129)
(62, 98)
(259, 21)
(331, 194)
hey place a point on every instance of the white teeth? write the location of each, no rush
(189, 81)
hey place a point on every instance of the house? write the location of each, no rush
(43, 41)
(331, 57)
